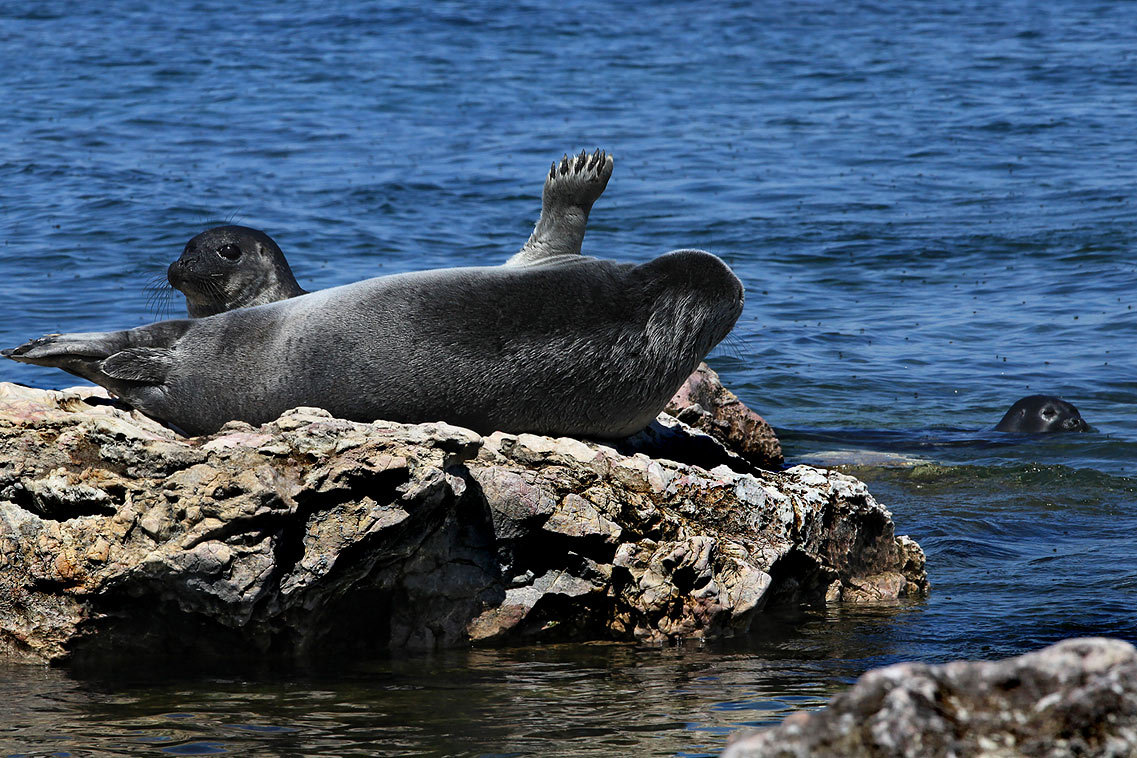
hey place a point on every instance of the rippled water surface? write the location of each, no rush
(931, 209)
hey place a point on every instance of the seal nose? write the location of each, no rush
(175, 273)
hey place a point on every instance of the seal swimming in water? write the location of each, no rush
(1036, 414)
(231, 267)
(589, 348)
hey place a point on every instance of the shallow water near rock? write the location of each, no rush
(931, 210)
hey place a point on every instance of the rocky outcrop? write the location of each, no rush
(704, 403)
(316, 533)
(1078, 697)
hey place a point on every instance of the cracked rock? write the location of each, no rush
(1078, 697)
(315, 534)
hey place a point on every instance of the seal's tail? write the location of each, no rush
(80, 353)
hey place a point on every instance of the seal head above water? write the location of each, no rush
(231, 267)
(1040, 414)
(593, 349)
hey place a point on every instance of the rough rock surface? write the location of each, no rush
(1078, 697)
(704, 403)
(315, 533)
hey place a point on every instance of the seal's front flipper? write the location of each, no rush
(571, 187)
(577, 181)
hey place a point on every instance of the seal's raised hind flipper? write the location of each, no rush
(571, 187)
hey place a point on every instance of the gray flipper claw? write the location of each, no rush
(571, 188)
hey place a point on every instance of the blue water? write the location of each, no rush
(931, 208)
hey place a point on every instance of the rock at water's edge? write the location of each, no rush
(704, 403)
(1078, 697)
(313, 533)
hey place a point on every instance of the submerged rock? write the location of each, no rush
(1078, 697)
(315, 533)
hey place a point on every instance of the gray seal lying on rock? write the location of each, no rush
(229, 267)
(581, 348)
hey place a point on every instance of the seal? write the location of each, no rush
(1035, 414)
(594, 349)
(229, 267)
(570, 190)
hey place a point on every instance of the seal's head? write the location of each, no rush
(1036, 414)
(231, 267)
(695, 289)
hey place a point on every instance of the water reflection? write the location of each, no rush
(595, 699)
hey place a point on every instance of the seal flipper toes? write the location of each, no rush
(49, 349)
(603, 161)
(578, 181)
(571, 188)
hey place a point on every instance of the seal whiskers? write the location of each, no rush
(159, 296)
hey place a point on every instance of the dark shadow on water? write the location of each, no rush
(579, 698)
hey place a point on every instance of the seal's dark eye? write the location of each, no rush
(229, 252)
